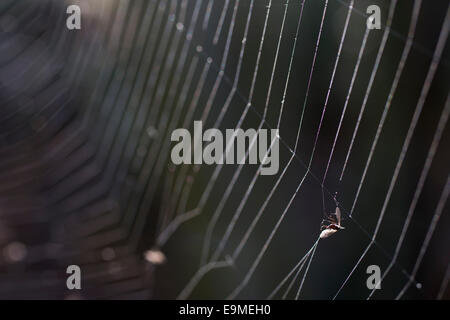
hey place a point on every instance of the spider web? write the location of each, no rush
(362, 116)
(214, 262)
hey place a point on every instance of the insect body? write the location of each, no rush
(331, 224)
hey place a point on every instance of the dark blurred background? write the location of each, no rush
(85, 124)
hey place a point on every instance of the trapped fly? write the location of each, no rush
(331, 224)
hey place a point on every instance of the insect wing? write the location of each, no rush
(323, 225)
(338, 216)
